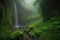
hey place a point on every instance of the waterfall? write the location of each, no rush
(16, 16)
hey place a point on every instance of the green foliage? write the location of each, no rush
(3, 35)
(11, 35)
(4, 31)
(33, 29)
(15, 33)
(5, 27)
(45, 30)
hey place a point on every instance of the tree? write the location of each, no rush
(1, 14)
(5, 3)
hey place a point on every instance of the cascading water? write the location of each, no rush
(16, 16)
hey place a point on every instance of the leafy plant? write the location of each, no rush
(45, 30)
(15, 33)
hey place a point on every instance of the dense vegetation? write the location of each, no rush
(46, 30)
(43, 24)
